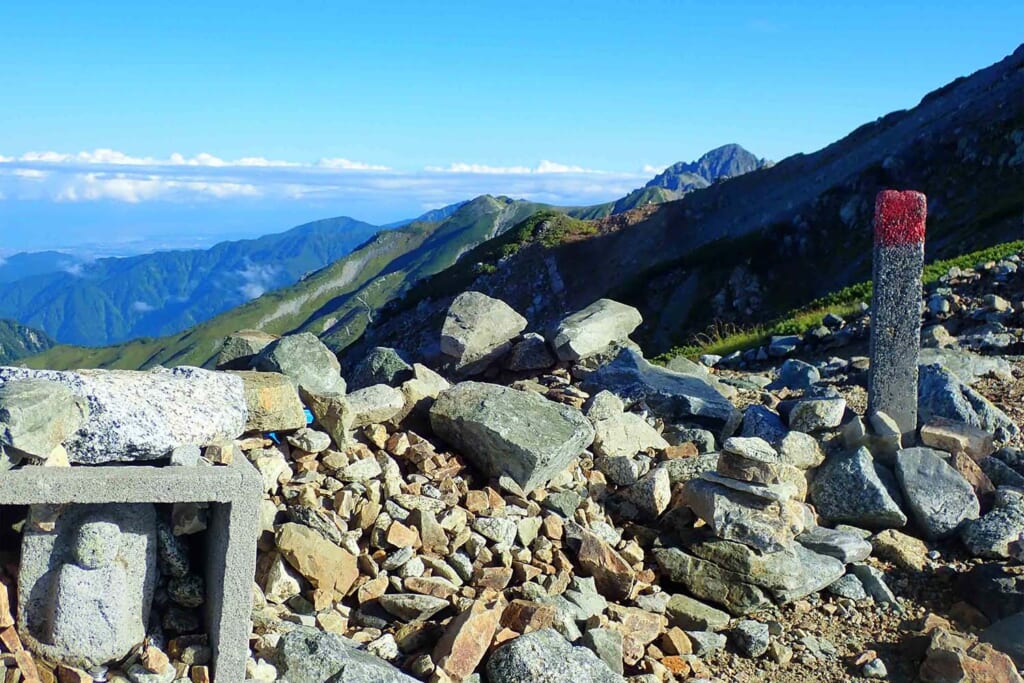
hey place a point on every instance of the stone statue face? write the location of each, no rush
(96, 545)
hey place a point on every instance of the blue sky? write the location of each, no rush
(169, 122)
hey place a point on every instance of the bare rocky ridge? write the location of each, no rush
(604, 519)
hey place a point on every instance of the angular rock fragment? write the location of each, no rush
(307, 655)
(305, 359)
(939, 499)
(594, 329)
(37, 416)
(380, 365)
(477, 331)
(848, 489)
(241, 348)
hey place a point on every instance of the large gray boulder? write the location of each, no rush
(594, 329)
(86, 585)
(477, 331)
(380, 365)
(241, 348)
(546, 657)
(940, 393)
(673, 396)
(376, 403)
(505, 432)
(144, 415)
(939, 498)
(999, 532)
(307, 655)
(847, 488)
(305, 359)
(37, 416)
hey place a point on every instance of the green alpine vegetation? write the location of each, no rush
(18, 341)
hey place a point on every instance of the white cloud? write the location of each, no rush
(107, 174)
(142, 307)
(651, 169)
(257, 279)
(347, 164)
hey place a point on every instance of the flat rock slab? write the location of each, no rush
(145, 415)
(673, 396)
(594, 329)
(710, 582)
(938, 496)
(842, 545)
(505, 432)
(847, 488)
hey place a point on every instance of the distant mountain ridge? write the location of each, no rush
(727, 161)
(113, 299)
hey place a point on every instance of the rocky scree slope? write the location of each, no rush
(555, 508)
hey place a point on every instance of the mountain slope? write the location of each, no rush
(762, 243)
(340, 298)
(113, 299)
(18, 341)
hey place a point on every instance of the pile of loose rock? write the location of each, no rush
(568, 511)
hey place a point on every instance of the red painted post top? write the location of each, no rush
(899, 217)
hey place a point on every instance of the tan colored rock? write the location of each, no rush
(153, 659)
(200, 674)
(273, 402)
(952, 436)
(6, 616)
(637, 624)
(902, 550)
(953, 659)
(970, 470)
(614, 576)
(372, 589)
(429, 585)
(324, 564)
(66, 674)
(524, 616)
(466, 640)
(675, 642)
(494, 578)
(401, 536)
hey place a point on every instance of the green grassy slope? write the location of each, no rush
(341, 297)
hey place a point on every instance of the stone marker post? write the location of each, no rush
(896, 306)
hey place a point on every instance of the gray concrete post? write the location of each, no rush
(896, 307)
